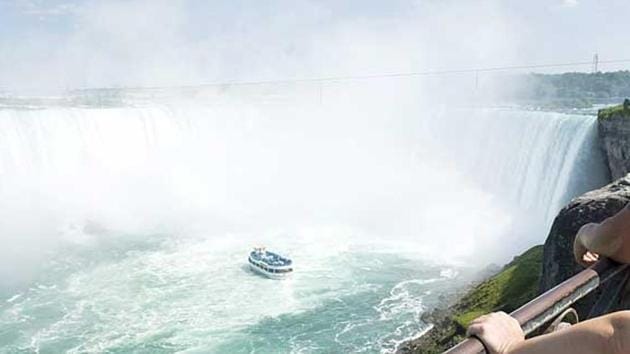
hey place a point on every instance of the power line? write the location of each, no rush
(341, 78)
(412, 74)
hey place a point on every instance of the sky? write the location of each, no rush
(67, 44)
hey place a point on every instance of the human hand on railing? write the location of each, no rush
(498, 331)
(609, 238)
(585, 242)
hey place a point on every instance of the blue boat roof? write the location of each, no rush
(270, 258)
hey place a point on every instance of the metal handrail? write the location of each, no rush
(552, 303)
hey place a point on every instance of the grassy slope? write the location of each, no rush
(615, 111)
(516, 284)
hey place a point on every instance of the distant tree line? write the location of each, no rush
(574, 89)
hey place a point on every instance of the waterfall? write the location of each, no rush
(456, 178)
(532, 162)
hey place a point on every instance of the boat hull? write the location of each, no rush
(260, 271)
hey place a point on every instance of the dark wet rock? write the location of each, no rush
(614, 131)
(594, 206)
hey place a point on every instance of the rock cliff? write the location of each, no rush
(594, 206)
(614, 131)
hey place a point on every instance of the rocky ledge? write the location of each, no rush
(614, 131)
(594, 206)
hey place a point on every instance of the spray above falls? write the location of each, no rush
(393, 170)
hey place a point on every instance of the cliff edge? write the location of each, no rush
(614, 132)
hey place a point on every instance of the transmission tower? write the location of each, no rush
(595, 62)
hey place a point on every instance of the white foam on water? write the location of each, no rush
(14, 297)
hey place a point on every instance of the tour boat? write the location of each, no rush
(269, 264)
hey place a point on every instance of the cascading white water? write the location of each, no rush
(532, 162)
(146, 210)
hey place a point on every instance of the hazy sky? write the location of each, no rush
(72, 43)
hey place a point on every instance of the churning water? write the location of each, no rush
(126, 226)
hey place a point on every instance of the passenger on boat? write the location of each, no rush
(609, 334)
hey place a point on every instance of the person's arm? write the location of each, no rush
(608, 334)
(610, 238)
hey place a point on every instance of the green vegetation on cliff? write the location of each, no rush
(516, 284)
(622, 110)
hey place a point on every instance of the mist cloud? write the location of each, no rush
(65, 45)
